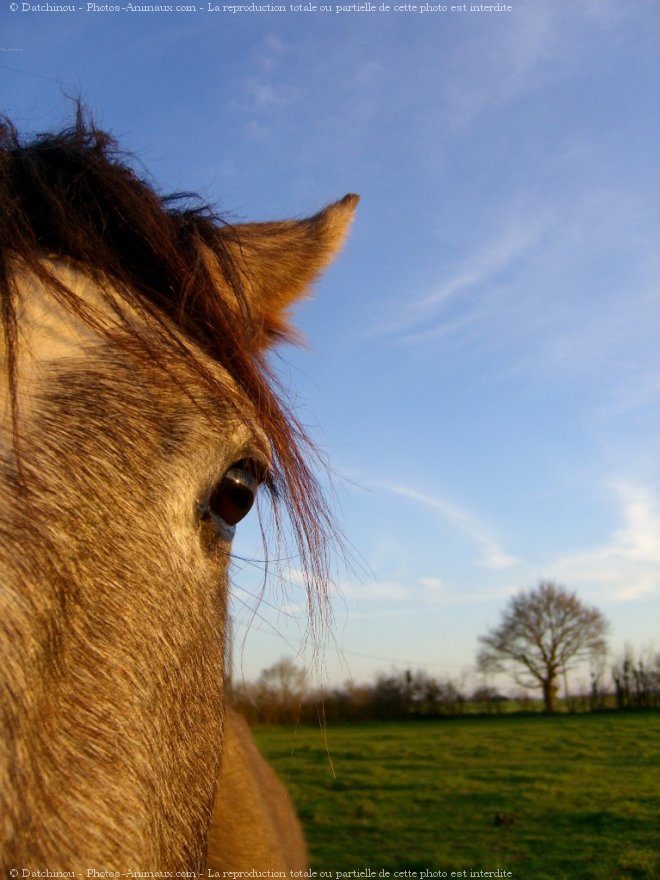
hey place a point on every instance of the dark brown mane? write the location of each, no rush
(74, 195)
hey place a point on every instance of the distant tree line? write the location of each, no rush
(281, 695)
(637, 681)
(543, 634)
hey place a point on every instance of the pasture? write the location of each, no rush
(569, 797)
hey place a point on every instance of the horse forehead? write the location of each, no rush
(50, 330)
(52, 337)
(47, 329)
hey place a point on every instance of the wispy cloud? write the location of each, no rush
(385, 591)
(508, 65)
(605, 12)
(564, 288)
(426, 318)
(529, 50)
(492, 554)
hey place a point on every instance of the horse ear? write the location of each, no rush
(278, 261)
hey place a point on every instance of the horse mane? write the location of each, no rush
(73, 196)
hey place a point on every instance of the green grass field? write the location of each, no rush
(578, 796)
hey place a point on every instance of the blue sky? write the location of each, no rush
(483, 369)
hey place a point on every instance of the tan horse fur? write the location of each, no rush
(113, 592)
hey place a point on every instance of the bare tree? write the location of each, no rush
(543, 633)
(279, 691)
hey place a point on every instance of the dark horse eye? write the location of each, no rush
(234, 496)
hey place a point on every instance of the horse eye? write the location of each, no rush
(234, 496)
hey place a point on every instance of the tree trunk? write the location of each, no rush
(549, 693)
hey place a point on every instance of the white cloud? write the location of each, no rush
(272, 51)
(627, 567)
(267, 91)
(433, 584)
